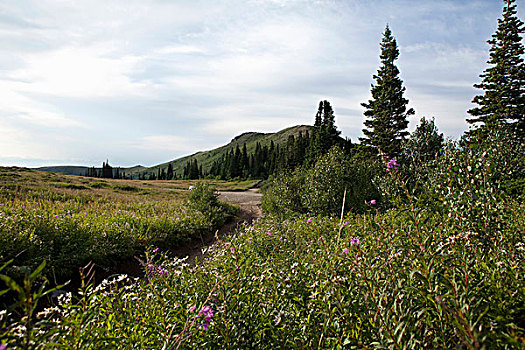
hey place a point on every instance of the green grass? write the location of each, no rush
(69, 221)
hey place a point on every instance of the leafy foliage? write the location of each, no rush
(402, 279)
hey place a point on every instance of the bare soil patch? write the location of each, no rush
(249, 203)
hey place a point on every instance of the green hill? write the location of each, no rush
(206, 158)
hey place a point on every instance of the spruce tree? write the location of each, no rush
(170, 172)
(387, 111)
(503, 100)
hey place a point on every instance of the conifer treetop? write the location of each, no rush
(503, 82)
(387, 112)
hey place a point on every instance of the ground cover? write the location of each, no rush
(69, 221)
(410, 277)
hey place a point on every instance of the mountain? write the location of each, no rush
(206, 158)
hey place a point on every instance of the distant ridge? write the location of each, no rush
(204, 158)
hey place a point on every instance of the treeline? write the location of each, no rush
(106, 172)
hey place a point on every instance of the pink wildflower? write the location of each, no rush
(373, 202)
(309, 220)
(345, 251)
(270, 234)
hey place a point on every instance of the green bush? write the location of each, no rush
(282, 196)
(320, 190)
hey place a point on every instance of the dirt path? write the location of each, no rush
(250, 208)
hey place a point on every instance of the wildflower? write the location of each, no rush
(270, 234)
(232, 249)
(346, 223)
(193, 308)
(345, 251)
(207, 312)
(3, 347)
(373, 202)
(392, 164)
(309, 220)
(354, 241)
(155, 250)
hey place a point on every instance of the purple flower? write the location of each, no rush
(392, 164)
(207, 312)
(270, 234)
(354, 241)
(3, 347)
(345, 251)
(193, 308)
(373, 202)
(346, 223)
(155, 250)
(232, 249)
(309, 220)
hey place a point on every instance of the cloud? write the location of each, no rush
(79, 72)
(165, 78)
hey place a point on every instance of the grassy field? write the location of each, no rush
(70, 220)
(416, 275)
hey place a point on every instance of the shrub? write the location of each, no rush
(282, 196)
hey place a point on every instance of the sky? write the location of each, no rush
(148, 81)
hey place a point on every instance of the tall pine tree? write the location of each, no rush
(387, 112)
(503, 100)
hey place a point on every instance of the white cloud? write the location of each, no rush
(13, 104)
(182, 76)
(86, 72)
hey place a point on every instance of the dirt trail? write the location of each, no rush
(250, 208)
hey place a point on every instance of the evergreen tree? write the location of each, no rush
(319, 115)
(325, 134)
(387, 111)
(244, 161)
(425, 143)
(170, 172)
(503, 100)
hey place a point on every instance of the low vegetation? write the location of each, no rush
(69, 221)
(410, 277)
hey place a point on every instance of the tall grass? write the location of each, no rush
(411, 277)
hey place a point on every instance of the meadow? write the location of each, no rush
(69, 221)
(437, 267)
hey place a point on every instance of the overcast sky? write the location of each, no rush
(144, 81)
